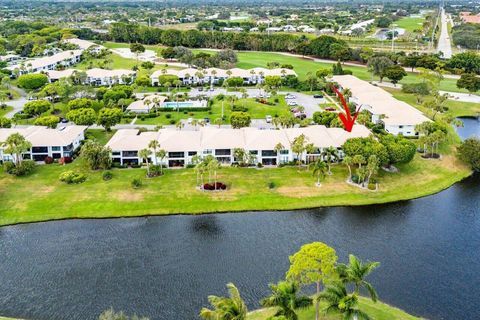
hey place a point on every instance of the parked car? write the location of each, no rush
(206, 120)
(292, 103)
(189, 120)
(318, 96)
(300, 115)
(200, 89)
(268, 119)
(330, 109)
(63, 120)
(290, 96)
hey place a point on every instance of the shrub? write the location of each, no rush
(259, 165)
(65, 160)
(168, 116)
(48, 160)
(355, 178)
(239, 108)
(32, 81)
(9, 167)
(25, 167)
(214, 186)
(271, 185)
(172, 121)
(107, 175)
(71, 177)
(136, 183)
(372, 186)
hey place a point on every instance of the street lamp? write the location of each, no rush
(393, 37)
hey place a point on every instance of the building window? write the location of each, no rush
(115, 153)
(283, 151)
(254, 152)
(222, 152)
(39, 149)
(207, 151)
(192, 153)
(269, 153)
(56, 148)
(129, 153)
(176, 154)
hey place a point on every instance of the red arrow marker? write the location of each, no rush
(347, 119)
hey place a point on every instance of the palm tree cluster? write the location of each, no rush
(210, 165)
(317, 262)
(159, 155)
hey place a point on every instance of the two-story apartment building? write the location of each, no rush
(268, 147)
(398, 117)
(46, 142)
(63, 59)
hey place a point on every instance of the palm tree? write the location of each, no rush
(278, 147)
(329, 154)
(16, 144)
(179, 125)
(154, 145)
(161, 154)
(348, 161)
(339, 301)
(218, 122)
(318, 167)
(226, 308)
(144, 154)
(355, 272)
(213, 166)
(284, 297)
(359, 159)
(200, 170)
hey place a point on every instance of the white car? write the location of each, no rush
(268, 119)
(189, 120)
(290, 96)
(292, 103)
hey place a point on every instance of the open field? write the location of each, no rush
(377, 311)
(410, 24)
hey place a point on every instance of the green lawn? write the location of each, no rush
(377, 311)
(410, 24)
(4, 111)
(41, 196)
(99, 135)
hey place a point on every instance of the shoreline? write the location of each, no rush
(273, 210)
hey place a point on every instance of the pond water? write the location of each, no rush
(165, 267)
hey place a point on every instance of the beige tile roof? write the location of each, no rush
(82, 44)
(46, 61)
(380, 102)
(222, 138)
(43, 136)
(147, 102)
(105, 73)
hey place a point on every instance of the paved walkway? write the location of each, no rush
(16, 104)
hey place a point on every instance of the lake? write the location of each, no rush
(165, 267)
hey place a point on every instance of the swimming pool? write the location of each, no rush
(184, 104)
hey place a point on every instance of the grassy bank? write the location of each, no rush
(41, 196)
(377, 311)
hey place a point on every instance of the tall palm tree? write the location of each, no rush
(144, 154)
(278, 147)
(226, 308)
(16, 144)
(339, 301)
(329, 154)
(214, 166)
(355, 272)
(348, 161)
(154, 145)
(284, 297)
(318, 169)
(161, 154)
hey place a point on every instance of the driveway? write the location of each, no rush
(444, 43)
(16, 104)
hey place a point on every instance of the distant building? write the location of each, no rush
(191, 76)
(62, 59)
(96, 76)
(467, 17)
(398, 117)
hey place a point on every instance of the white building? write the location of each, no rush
(63, 59)
(191, 76)
(397, 116)
(46, 142)
(96, 76)
(85, 45)
(183, 145)
(146, 104)
(104, 77)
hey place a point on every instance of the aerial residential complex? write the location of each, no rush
(62, 59)
(183, 145)
(96, 76)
